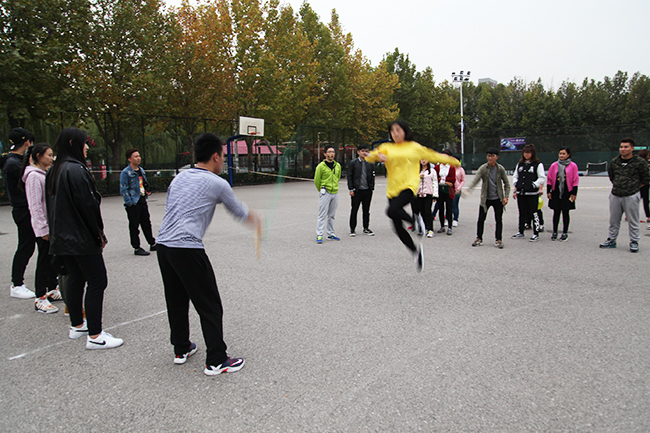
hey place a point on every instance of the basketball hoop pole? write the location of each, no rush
(229, 150)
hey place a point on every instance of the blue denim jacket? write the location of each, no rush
(130, 185)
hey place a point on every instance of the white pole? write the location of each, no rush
(462, 124)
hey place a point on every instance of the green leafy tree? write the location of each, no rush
(39, 46)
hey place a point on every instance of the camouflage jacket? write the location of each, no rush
(627, 176)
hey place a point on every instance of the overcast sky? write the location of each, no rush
(555, 40)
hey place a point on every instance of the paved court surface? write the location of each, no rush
(346, 336)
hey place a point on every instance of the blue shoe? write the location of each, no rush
(333, 238)
(181, 359)
(231, 365)
(319, 239)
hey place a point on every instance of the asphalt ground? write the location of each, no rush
(347, 336)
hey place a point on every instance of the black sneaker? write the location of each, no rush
(368, 232)
(564, 237)
(230, 365)
(634, 246)
(140, 252)
(554, 236)
(181, 359)
(419, 258)
(352, 233)
(518, 235)
(153, 247)
(534, 238)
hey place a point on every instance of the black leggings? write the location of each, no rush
(445, 201)
(565, 220)
(397, 213)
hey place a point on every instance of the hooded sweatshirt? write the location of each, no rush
(34, 179)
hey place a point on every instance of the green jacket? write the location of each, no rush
(327, 177)
(627, 176)
(502, 182)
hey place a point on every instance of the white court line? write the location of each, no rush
(40, 349)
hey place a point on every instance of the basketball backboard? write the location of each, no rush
(251, 126)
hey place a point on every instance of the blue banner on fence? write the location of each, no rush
(517, 143)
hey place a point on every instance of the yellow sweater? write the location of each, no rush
(403, 164)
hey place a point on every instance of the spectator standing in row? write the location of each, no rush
(446, 193)
(645, 189)
(135, 189)
(361, 183)
(326, 179)
(38, 160)
(528, 180)
(77, 234)
(458, 187)
(495, 190)
(562, 190)
(628, 174)
(12, 168)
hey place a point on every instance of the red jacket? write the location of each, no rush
(451, 178)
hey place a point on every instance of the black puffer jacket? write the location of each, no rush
(73, 214)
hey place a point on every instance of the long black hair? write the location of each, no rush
(408, 134)
(69, 144)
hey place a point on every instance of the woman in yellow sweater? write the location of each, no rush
(402, 158)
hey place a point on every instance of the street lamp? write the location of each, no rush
(461, 78)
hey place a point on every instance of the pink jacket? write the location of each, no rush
(572, 177)
(460, 179)
(34, 179)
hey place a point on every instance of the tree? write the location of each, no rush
(122, 64)
(39, 45)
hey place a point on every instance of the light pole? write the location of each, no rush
(461, 78)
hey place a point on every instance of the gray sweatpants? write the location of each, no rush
(327, 204)
(628, 205)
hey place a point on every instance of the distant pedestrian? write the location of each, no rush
(562, 190)
(402, 157)
(12, 168)
(135, 189)
(361, 183)
(628, 174)
(186, 270)
(528, 180)
(495, 189)
(326, 179)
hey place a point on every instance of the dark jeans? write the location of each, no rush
(397, 213)
(565, 220)
(361, 197)
(45, 279)
(187, 275)
(82, 270)
(527, 205)
(26, 244)
(139, 217)
(422, 206)
(456, 211)
(498, 214)
(445, 201)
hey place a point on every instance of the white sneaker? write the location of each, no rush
(79, 332)
(42, 305)
(21, 292)
(454, 223)
(103, 341)
(54, 295)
